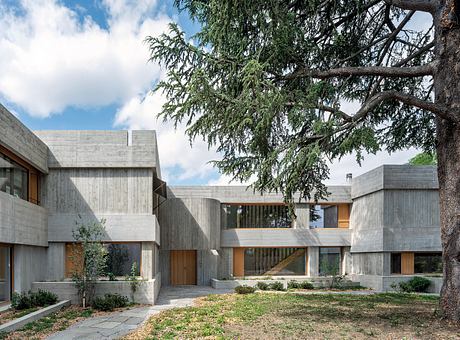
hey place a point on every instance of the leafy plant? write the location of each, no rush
(244, 289)
(417, 284)
(277, 285)
(262, 285)
(112, 276)
(31, 299)
(133, 279)
(93, 258)
(293, 284)
(306, 285)
(109, 302)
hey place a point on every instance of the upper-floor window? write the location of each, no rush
(13, 178)
(329, 216)
(256, 216)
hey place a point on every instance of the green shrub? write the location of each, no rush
(416, 284)
(306, 285)
(109, 302)
(262, 285)
(277, 285)
(21, 301)
(33, 299)
(293, 284)
(244, 289)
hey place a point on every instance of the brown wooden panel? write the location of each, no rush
(238, 262)
(3, 263)
(73, 258)
(183, 267)
(407, 263)
(33, 187)
(343, 215)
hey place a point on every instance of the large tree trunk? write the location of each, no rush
(447, 91)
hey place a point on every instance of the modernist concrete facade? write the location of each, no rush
(382, 227)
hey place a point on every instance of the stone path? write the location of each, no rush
(118, 324)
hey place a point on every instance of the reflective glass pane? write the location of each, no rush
(121, 257)
(5, 273)
(256, 216)
(329, 261)
(428, 263)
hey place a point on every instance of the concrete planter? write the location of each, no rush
(317, 282)
(383, 283)
(146, 293)
(24, 320)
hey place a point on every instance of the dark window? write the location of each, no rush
(121, 257)
(428, 263)
(329, 261)
(256, 216)
(13, 178)
(274, 261)
(396, 263)
(323, 216)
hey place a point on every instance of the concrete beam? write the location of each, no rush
(17, 138)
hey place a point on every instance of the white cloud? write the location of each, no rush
(174, 147)
(50, 59)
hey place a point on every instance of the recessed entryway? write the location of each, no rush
(183, 267)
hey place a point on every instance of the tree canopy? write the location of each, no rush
(424, 158)
(267, 82)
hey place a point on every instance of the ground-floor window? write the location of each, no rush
(428, 263)
(329, 261)
(120, 258)
(5, 273)
(416, 263)
(274, 261)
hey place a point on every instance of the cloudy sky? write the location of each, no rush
(83, 65)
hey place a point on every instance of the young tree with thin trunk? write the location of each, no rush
(267, 82)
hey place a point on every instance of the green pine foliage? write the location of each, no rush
(424, 158)
(250, 83)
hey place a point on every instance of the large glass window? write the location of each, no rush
(256, 216)
(13, 178)
(274, 261)
(121, 257)
(323, 216)
(427, 263)
(329, 261)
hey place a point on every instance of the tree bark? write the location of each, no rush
(447, 92)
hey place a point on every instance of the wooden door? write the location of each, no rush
(183, 267)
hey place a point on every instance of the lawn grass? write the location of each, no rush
(312, 316)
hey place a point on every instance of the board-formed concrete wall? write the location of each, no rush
(242, 194)
(101, 149)
(321, 237)
(111, 191)
(29, 266)
(122, 197)
(22, 222)
(17, 138)
(190, 223)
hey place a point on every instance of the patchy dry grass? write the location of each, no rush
(291, 315)
(12, 314)
(47, 325)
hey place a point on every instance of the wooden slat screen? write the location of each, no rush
(73, 258)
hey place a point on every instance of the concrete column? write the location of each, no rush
(55, 261)
(346, 264)
(302, 211)
(313, 261)
(147, 259)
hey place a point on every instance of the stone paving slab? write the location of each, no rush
(119, 324)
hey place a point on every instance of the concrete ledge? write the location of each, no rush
(317, 282)
(22, 321)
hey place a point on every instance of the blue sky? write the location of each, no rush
(83, 65)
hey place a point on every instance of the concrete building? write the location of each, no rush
(381, 228)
